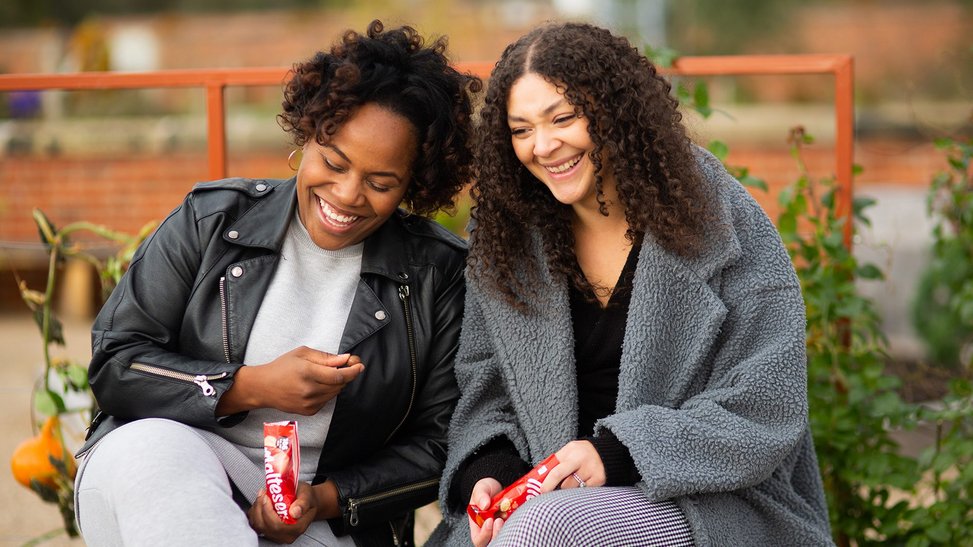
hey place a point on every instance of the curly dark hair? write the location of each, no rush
(396, 70)
(633, 122)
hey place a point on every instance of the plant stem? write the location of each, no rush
(95, 228)
(46, 310)
(43, 538)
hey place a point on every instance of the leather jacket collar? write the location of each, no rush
(263, 226)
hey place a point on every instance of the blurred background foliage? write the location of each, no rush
(26, 13)
(924, 64)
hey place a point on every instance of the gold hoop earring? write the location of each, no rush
(290, 159)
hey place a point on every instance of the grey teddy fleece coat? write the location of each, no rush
(712, 392)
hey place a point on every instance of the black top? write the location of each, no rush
(598, 336)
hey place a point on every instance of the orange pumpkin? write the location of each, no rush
(31, 458)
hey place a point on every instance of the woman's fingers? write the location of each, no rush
(481, 535)
(497, 525)
(573, 480)
(329, 369)
(579, 466)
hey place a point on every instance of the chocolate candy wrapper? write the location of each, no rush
(282, 465)
(503, 504)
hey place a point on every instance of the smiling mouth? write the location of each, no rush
(563, 167)
(334, 216)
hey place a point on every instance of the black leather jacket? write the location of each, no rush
(171, 336)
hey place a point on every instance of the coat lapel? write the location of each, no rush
(368, 314)
(536, 350)
(672, 322)
(674, 319)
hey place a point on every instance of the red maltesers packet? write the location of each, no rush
(282, 465)
(503, 504)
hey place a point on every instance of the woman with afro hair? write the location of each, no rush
(328, 299)
(629, 309)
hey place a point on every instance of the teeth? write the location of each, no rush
(333, 215)
(564, 166)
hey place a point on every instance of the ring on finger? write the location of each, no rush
(581, 483)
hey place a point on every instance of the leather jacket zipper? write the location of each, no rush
(410, 334)
(223, 318)
(355, 503)
(201, 380)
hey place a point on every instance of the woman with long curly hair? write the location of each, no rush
(630, 309)
(315, 299)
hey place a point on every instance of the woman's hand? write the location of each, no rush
(579, 464)
(264, 520)
(300, 381)
(483, 492)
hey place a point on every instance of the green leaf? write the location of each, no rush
(965, 312)
(860, 203)
(48, 403)
(719, 149)
(834, 241)
(870, 271)
(39, 319)
(701, 99)
(45, 229)
(787, 223)
(754, 182)
(918, 541)
(661, 56)
(46, 493)
(939, 532)
(77, 376)
(829, 200)
(56, 332)
(682, 93)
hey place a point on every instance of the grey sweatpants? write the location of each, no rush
(158, 482)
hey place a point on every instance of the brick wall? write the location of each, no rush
(120, 192)
(123, 193)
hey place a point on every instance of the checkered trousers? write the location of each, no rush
(589, 517)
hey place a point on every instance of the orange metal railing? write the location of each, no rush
(216, 81)
(839, 66)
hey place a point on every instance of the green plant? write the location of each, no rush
(851, 400)
(948, 464)
(876, 494)
(696, 98)
(943, 308)
(457, 220)
(63, 377)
